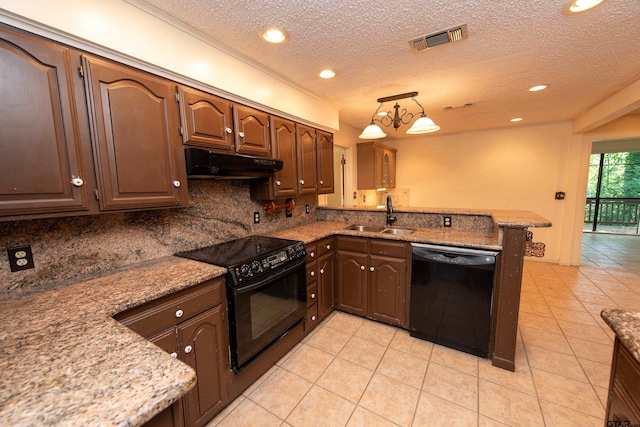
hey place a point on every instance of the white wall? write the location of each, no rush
(121, 31)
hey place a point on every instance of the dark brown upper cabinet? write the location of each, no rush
(306, 142)
(252, 131)
(325, 162)
(135, 134)
(376, 166)
(207, 120)
(44, 167)
(283, 134)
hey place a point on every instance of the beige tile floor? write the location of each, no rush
(354, 372)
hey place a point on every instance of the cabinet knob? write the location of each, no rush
(174, 355)
(176, 184)
(321, 182)
(313, 296)
(179, 313)
(228, 130)
(328, 247)
(322, 271)
(77, 181)
(301, 182)
(188, 349)
(278, 182)
(313, 318)
(312, 254)
(241, 134)
(313, 273)
(362, 267)
(371, 269)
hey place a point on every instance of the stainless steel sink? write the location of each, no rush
(398, 230)
(367, 228)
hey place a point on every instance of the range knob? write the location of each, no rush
(256, 267)
(245, 270)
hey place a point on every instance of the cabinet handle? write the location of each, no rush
(77, 181)
(176, 184)
(229, 130)
(179, 313)
(362, 267)
(188, 349)
(174, 355)
(313, 296)
(328, 247)
(322, 271)
(241, 134)
(313, 273)
(371, 269)
(313, 318)
(278, 182)
(301, 182)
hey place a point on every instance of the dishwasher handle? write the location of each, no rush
(455, 256)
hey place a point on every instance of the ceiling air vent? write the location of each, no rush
(453, 34)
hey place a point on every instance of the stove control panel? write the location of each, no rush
(264, 265)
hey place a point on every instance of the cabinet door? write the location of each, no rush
(205, 349)
(284, 148)
(40, 141)
(173, 415)
(252, 131)
(378, 167)
(207, 121)
(390, 156)
(134, 124)
(325, 162)
(387, 288)
(306, 142)
(326, 294)
(352, 282)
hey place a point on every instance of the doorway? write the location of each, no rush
(613, 193)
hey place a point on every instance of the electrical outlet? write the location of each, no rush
(256, 217)
(307, 209)
(447, 222)
(560, 195)
(20, 258)
(288, 213)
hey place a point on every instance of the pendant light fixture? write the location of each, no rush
(400, 117)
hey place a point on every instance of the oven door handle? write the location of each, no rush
(248, 288)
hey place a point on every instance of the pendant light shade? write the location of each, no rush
(423, 125)
(372, 132)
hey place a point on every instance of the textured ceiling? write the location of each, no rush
(512, 45)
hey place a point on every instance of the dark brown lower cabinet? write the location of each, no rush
(191, 326)
(372, 278)
(623, 406)
(320, 281)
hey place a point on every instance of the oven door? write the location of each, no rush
(261, 312)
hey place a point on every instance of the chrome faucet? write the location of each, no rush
(390, 219)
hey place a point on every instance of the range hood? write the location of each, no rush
(205, 164)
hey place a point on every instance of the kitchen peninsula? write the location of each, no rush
(67, 361)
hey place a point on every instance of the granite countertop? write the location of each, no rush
(501, 217)
(66, 361)
(450, 237)
(626, 325)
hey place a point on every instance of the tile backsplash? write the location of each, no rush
(373, 198)
(71, 249)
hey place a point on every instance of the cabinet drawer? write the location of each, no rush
(312, 294)
(311, 320)
(387, 248)
(312, 253)
(151, 318)
(325, 246)
(312, 274)
(354, 244)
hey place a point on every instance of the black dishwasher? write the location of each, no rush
(451, 290)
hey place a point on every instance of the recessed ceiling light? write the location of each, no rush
(273, 35)
(537, 88)
(577, 6)
(327, 74)
(516, 119)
